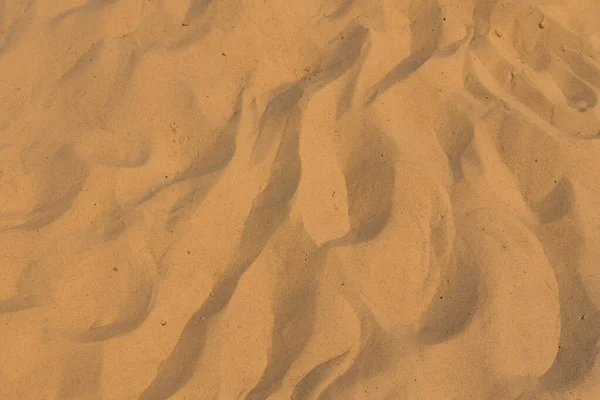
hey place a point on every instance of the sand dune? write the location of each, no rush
(335, 199)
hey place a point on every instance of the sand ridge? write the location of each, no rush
(338, 199)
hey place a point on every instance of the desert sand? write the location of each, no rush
(321, 200)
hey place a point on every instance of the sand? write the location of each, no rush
(329, 199)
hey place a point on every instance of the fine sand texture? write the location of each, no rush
(299, 200)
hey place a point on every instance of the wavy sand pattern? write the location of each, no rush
(335, 199)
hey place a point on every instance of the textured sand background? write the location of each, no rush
(328, 199)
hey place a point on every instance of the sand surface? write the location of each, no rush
(321, 200)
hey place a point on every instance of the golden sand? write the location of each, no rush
(320, 200)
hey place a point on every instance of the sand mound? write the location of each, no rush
(334, 199)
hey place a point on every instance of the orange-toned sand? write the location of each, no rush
(321, 200)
